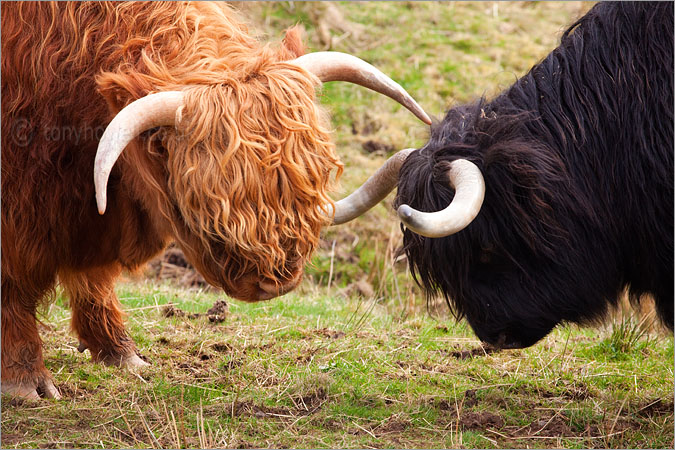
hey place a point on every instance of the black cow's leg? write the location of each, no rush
(98, 318)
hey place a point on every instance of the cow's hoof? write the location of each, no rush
(134, 362)
(45, 388)
(131, 361)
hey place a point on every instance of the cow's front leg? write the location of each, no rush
(23, 370)
(98, 319)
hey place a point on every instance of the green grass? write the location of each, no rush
(353, 358)
(318, 370)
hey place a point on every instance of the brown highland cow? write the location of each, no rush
(225, 152)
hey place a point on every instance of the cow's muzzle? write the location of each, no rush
(269, 289)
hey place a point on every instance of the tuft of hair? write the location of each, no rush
(250, 168)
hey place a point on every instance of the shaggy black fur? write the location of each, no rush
(578, 163)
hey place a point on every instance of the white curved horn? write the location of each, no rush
(151, 111)
(374, 190)
(469, 186)
(337, 66)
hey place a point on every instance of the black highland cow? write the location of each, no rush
(577, 158)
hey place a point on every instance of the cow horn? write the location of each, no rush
(336, 66)
(469, 186)
(372, 191)
(151, 111)
(160, 109)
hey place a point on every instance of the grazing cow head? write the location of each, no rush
(486, 271)
(246, 160)
(442, 189)
(249, 174)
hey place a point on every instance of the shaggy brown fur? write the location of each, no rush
(240, 183)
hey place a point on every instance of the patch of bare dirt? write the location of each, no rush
(470, 420)
(480, 420)
(312, 401)
(329, 423)
(222, 347)
(246, 408)
(304, 406)
(259, 347)
(445, 405)
(60, 444)
(416, 368)
(170, 311)
(450, 406)
(239, 443)
(328, 333)
(11, 439)
(196, 369)
(139, 435)
(216, 314)
(570, 391)
(470, 399)
(394, 425)
(555, 425)
(656, 407)
(475, 352)
(580, 392)
(546, 425)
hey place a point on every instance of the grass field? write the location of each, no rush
(318, 370)
(354, 358)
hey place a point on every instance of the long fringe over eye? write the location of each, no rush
(250, 168)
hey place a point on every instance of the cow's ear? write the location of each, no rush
(119, 89)
(293, 42)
